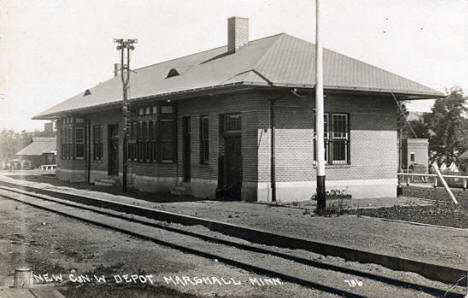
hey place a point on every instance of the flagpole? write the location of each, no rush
(319, 118)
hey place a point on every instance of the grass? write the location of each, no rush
(441, 213)
(336, 208)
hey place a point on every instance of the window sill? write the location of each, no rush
(167, 162)
(152, 162)
(338, 166)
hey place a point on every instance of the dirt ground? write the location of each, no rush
(67, 246)
(440, 245)
(53, 244)
(132, 193)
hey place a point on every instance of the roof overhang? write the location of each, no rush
(240, 87)
(170, 96)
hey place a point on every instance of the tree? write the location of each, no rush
(11, 142)
(411, 129)
(419, 127)
(401, 118)
(445, 123)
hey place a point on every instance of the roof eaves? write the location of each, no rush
(87, 108)
(406, 94)
(176, 94)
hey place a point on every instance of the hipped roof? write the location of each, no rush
(276, 61)
(39, 146)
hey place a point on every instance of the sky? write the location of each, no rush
(51, 50)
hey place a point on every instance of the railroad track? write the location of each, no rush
(269, 261)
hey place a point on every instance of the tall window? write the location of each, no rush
(62, 140)
(153, 135)
(131, 151)
(336, 135)
(151, 141)
(79, 142)
(69, 142)
(73, 138)
(139, 141)
(80, 138)
(339, 145)
(204, 140)
(97, 142)
(144, 141)
(66, 138)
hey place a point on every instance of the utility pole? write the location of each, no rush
(125, 46)
(319, 126)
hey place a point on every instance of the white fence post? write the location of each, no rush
(436, 168)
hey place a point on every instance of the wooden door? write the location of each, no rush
(186, 148)
(233, 167)
(113, 150)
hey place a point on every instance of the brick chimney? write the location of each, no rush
(238, 33)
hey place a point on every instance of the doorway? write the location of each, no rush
(186, 148)
(113, 149)
(233, 167)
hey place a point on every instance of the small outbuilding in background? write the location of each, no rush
(415, 155)
(42, 151)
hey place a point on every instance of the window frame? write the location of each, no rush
(69, 127)
(79, 144)
(146, 143)
(225, 126)
(332, 139)
(97, 142)
(204, 139)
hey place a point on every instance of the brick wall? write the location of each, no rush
(372, 170)
(205, 176)
(372, 137)
(373, 151)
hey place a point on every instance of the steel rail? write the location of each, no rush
(431, 271)
(321, 265)
(211, 256)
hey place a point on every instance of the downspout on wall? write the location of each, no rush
(88, 149)
(272, 150)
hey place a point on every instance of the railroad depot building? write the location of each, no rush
(203, 123)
